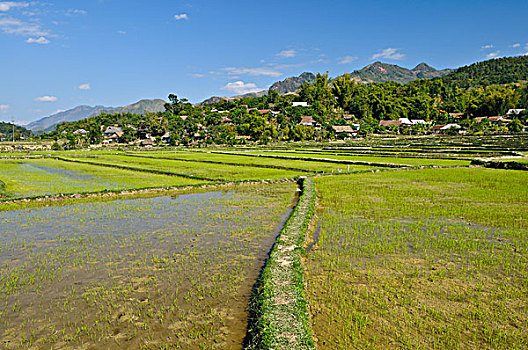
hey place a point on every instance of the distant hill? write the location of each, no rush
(379, 72)
(216, 99)
(81, 112)
(292, 84)
(283, 87)
(495, 71)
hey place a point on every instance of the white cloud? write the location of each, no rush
(197, 75)
(73, 12)
(4, 108)
(7, 5)
(17, 27)
(122, 32)
(346, 59)
(239, 87)
(389, 54)
(57, 111)
(46, 99)
(42, 40)
(287, 54)
(181, 16)
(493, 54)
(266, 71)
(516, 45)
(84, 87)
(487, 47)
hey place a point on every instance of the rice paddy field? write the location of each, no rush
(170, 248)
(432, 258)
(206, 171)
(172, 271)
(37, 177)
(298, 165)
(362, 158)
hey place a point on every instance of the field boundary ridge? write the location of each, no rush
(278, 313)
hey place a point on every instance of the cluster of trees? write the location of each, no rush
(496, 71)
(6, 132)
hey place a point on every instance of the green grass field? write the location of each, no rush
(433, 258)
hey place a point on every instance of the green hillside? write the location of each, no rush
(6, 131)
(496, 71)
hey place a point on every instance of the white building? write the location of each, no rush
(300, 104)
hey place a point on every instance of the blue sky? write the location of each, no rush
(55, 55)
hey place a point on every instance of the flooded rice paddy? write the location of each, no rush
(138, 273)
(36, 177)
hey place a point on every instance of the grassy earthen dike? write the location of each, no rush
(278, 313)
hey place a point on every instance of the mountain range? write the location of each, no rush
(379, 72)
(81, 112)
(376, 72)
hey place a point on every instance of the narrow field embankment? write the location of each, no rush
(222, 163)
(320, 160)
(152, 171)
(512, 165)
(278, 313)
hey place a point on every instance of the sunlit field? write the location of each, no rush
(137, 273)
(34, 177)
(432, 258)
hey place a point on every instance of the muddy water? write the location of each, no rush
(172, 271)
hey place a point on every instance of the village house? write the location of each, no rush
(300, 104)
(307, 120)
(419, 121)
(440, 128)
(346, 129)
(81, 132)
(389, 123)
(113, 133)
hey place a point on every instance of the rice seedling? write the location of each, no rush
(33, 177)
(147, 272)
(433, 258)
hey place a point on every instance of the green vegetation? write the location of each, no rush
(37, 177)
(6, 132)
(496, 71)
(431, 258)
